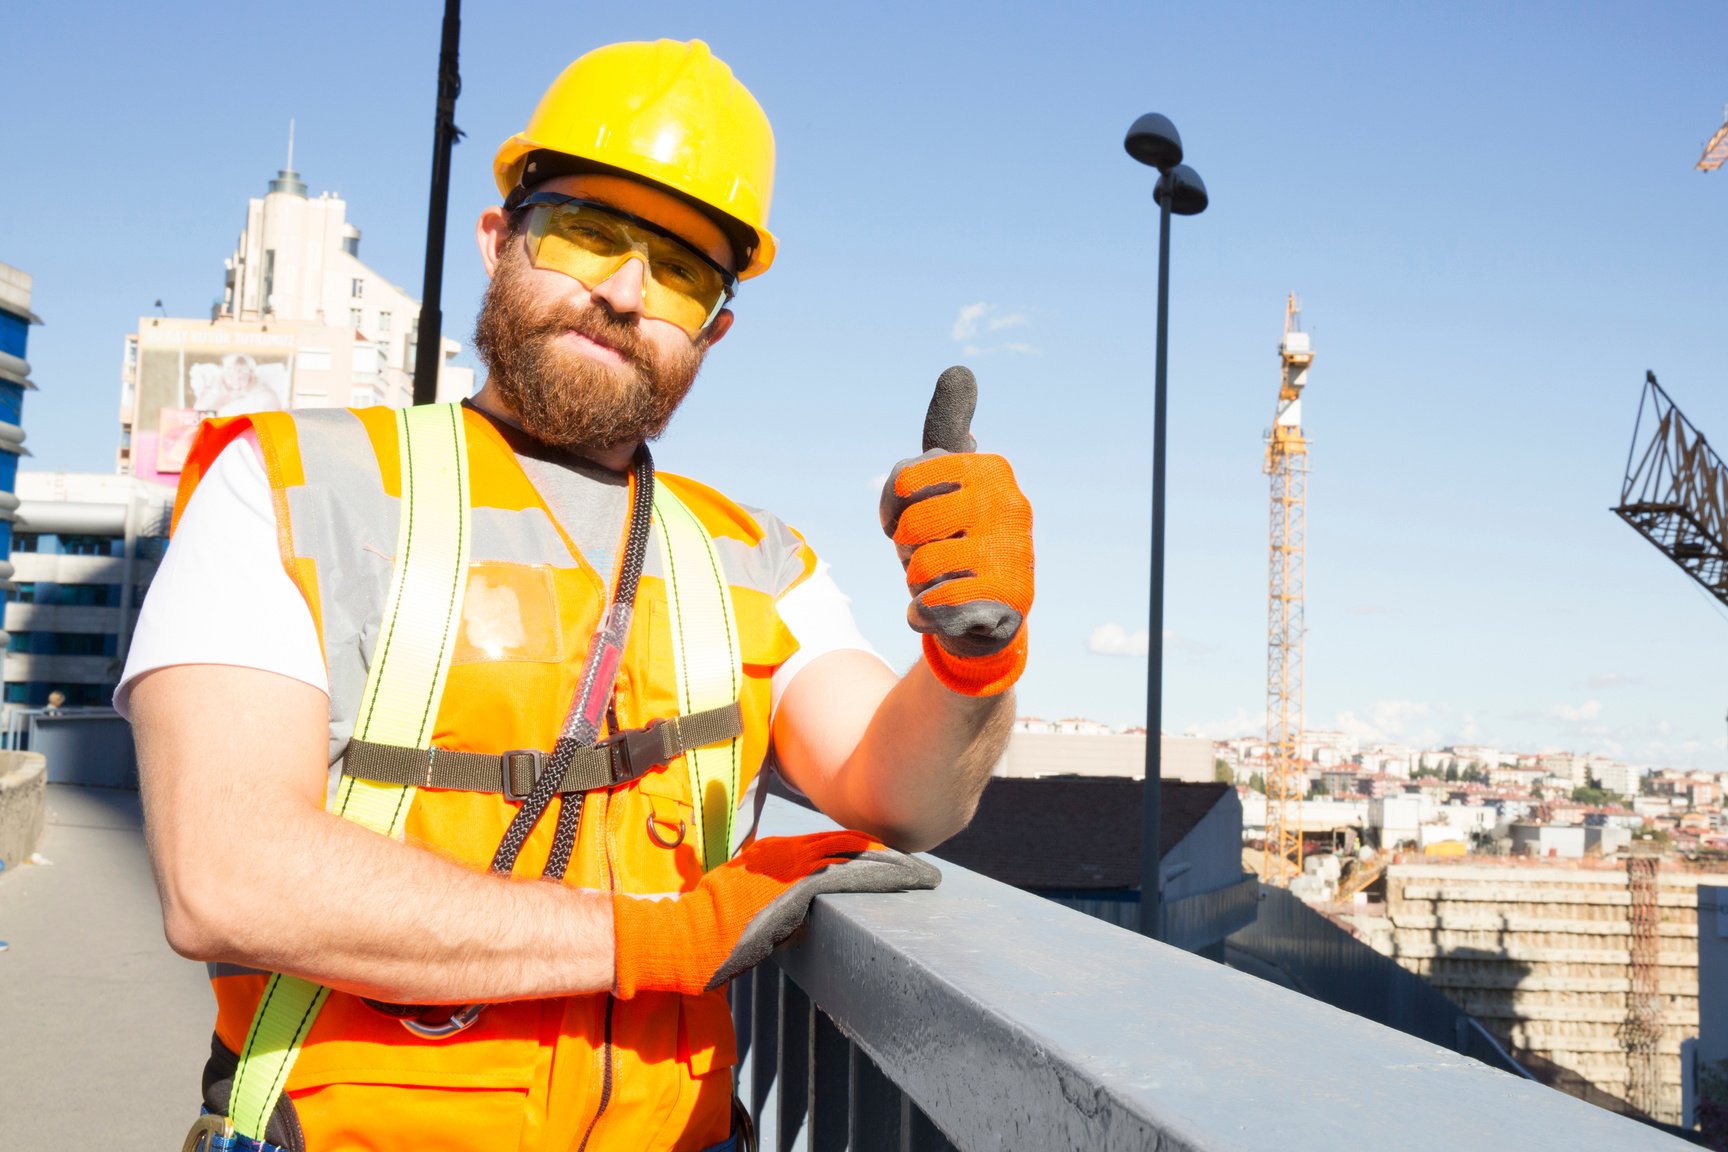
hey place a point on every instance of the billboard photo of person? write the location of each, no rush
(180, 386)
(239, 384)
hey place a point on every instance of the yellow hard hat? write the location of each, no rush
(666, 112)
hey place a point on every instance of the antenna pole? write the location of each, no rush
(428, 347)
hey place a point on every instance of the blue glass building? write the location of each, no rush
(15, 321)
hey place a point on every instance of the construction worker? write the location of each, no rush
(398, 666)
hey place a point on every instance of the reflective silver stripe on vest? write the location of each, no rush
(345, 523)
(769, 566)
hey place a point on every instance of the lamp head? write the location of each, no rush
(1153, 141)
(1186, 190)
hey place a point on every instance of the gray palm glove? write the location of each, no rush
(699, 940)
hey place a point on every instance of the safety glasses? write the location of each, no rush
(590, 241)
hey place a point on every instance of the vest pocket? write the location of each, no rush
(363, 1080)
(412, 1117)
(351, 1043)
(509, 612)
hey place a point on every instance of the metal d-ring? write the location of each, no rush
(460, 1021)
(654, 833)
(206, 1131)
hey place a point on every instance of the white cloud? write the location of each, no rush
(1387, 720)
(981, 318)
(1241, 722)
(1115, 640)
(1581, 714)
(966, 324)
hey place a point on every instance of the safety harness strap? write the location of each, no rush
(708, 662)
(397, 708)
(618, 759)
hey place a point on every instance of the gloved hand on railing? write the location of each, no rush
(699, 940)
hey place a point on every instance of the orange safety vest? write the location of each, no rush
(651, 1072)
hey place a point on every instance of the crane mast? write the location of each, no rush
(1716, 148)
(1287, 465)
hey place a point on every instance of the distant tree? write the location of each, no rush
(1258, 783)
(1422, 773)
(1591, 795)
(1452, 772)
(1474, 774)
(1222, 773)
(1319, 789)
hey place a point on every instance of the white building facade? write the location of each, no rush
(302, 323)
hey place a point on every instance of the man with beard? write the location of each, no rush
(495, 639)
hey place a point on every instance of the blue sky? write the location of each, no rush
(1489, 212)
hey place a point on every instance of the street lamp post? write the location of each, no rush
(1153, 141)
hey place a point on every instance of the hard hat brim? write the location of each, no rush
(513, 159)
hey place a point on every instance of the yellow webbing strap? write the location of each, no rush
(708, 661)
(400, 701)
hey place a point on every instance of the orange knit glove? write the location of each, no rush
(964, 532)
(699, 940)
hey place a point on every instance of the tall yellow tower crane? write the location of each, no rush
(1287, 464)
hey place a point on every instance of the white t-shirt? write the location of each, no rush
(221, 595)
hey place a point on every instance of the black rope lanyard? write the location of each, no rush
(592, 699)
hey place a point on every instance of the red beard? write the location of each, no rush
(560, 397)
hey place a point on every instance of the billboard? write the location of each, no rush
(188, 371)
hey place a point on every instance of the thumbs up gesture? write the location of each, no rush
(964, 533)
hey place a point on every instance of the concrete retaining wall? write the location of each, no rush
(23, 800)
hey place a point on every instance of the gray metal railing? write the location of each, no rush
(1291, 943)
(980, 1017)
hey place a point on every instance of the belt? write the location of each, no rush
(616, 760)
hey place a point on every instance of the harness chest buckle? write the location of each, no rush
(635, 750)
(521, 769)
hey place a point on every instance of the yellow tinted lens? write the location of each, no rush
(591, 244)
(561, 241)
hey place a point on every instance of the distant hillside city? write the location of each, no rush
(1460, 799)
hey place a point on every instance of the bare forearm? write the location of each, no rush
(253, 871)
(366, 914)
(905, 759)
(924, 760)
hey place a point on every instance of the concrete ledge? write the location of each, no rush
(23, 804)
